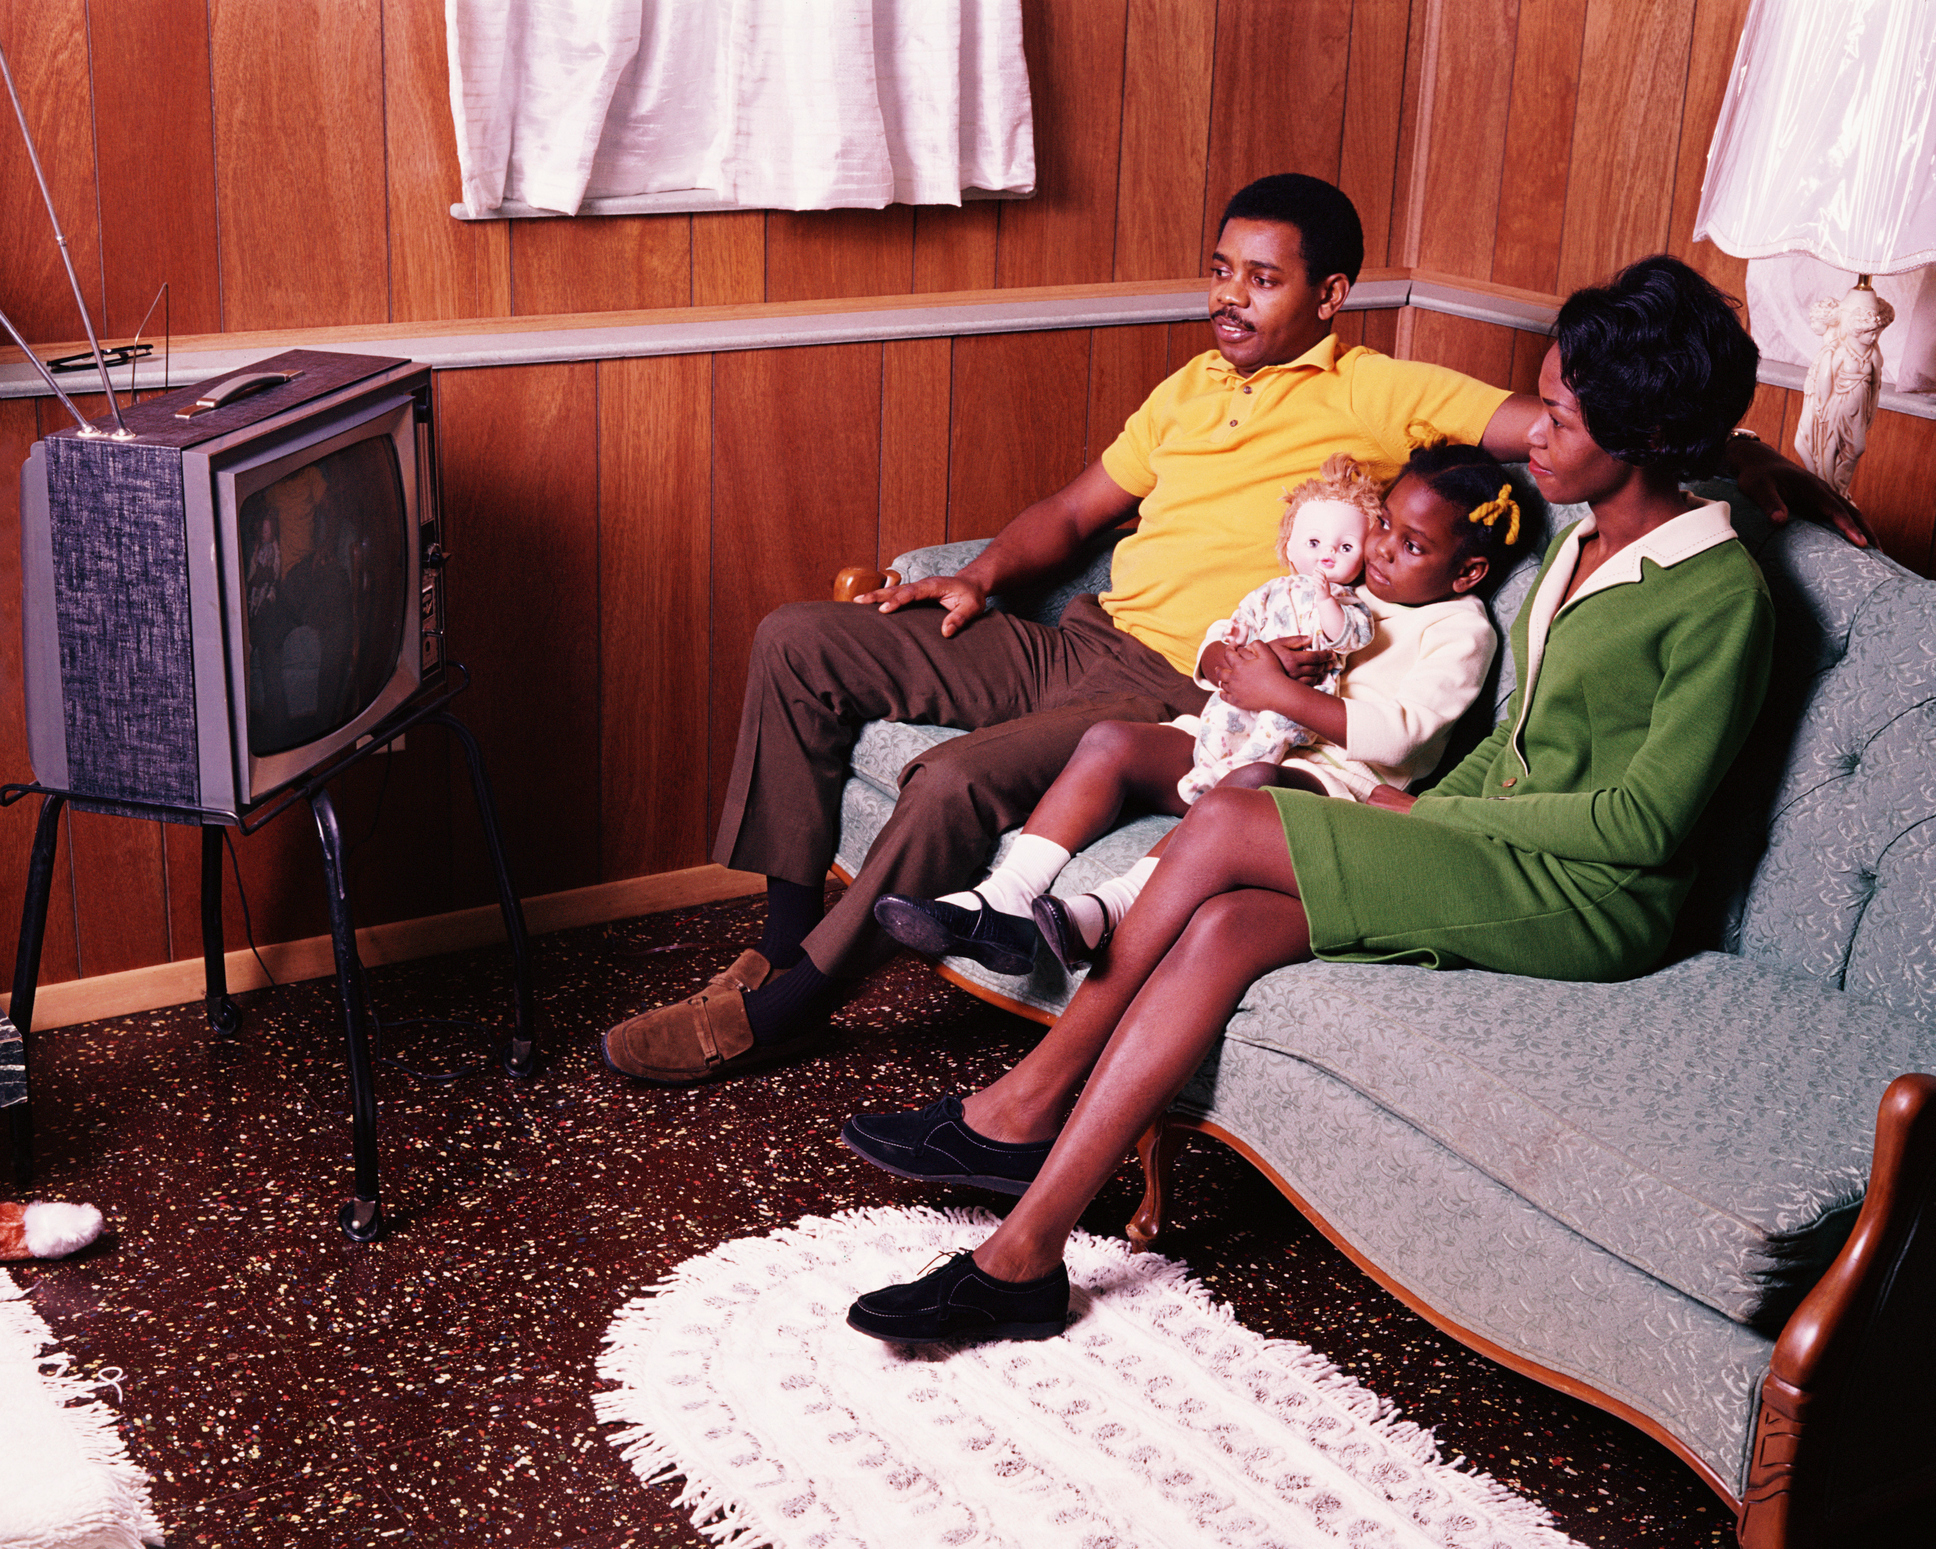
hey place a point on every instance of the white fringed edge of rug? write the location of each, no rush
(727, 1520)
(121, 1513)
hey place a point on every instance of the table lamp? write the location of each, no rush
(1826, 145)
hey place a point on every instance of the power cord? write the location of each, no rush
(377, 1025)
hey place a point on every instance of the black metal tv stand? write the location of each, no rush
(362, 1215)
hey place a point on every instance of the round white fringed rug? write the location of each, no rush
(66, 1481)
(1155, 1420)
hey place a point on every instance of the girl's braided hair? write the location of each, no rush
(1470, 478)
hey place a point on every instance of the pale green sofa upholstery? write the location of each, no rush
(1627, 1189)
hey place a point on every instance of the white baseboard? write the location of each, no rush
(172, 984)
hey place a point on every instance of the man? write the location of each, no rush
(1207, 457)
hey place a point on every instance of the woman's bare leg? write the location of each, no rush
(1232, 940)
(1230, 840)
(1117, 764)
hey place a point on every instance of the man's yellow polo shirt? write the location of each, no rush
(1212, 454)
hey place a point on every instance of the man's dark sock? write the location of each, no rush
(792, 909)
(786, 1006)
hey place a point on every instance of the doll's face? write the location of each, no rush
(1327, 541)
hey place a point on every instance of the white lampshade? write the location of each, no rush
(1826, 142)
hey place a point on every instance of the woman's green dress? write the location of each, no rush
(1555, 848)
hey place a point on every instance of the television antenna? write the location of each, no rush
(120, 431)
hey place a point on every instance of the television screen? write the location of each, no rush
(326, 578)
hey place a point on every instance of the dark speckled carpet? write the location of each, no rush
(287, 1387)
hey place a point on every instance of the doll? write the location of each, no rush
(1322, 544)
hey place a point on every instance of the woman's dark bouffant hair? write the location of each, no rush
(1660, 363)
(1470, 478)
(1327, 221)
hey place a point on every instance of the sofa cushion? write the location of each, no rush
(1481, 1257)
(1711, 1123)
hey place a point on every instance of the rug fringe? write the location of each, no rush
(95, 1425)
(730, 1523)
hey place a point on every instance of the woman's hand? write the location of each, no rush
(1391, 798)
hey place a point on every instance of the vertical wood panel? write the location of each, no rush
(796, 481)
(46, 44)
(1528, 355)
(1482, 350)
(1188, 340)
(1168, 60)
(299, 162)
(156, 142)
(1539, 144)
(1278, 97)
(1018, 428)
(120, 902)
(520, 459)
(1764, 416)
(1416, 113)
(954, 249)
(1124, 365)
(1717, 29)
(655, 563)
(1373, 103)
(440, 267)
(1467, 142)
(728, 258)
(1626, 136)
(814, 254)
(605, 263)
(1066, 233)
(19, 428)
(1381, 330)
(915, 394)
(1892, 488)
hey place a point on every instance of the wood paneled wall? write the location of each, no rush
(619, 528)
(290, 163)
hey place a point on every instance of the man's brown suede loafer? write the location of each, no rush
(706, 1038)
(748, 971)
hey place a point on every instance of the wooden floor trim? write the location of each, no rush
(172, 984)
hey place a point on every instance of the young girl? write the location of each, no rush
(1446, 520)
(1554, 849)
(1321, 544)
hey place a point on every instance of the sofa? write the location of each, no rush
(1697, 1198)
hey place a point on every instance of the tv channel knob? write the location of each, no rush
(434, 557)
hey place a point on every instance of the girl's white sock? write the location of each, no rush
(1033, 864)
(1113, 899)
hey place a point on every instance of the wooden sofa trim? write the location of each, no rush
(1157, 1149)
(1842, 1389)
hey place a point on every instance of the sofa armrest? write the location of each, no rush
(1844, 1434)
(857, 579)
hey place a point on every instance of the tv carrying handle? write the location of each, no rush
(235, 387)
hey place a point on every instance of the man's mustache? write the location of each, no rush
(1228, 316)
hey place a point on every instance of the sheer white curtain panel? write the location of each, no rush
(774, 104)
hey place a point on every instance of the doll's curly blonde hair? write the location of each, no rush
(1343, 478)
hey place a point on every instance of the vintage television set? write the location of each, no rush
(238, 592)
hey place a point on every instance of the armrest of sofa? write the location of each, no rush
(1042, 603)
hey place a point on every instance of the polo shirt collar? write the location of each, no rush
(1322, 356)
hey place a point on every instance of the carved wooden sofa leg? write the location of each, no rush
(1156, 1149)
(1845, 1433)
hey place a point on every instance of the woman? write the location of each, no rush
(1554, 849)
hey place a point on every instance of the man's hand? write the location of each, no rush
(1299, 663)
(1782, 488)
(1391, 798)
(963, 598)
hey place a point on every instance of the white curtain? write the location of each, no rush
(777, 104)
